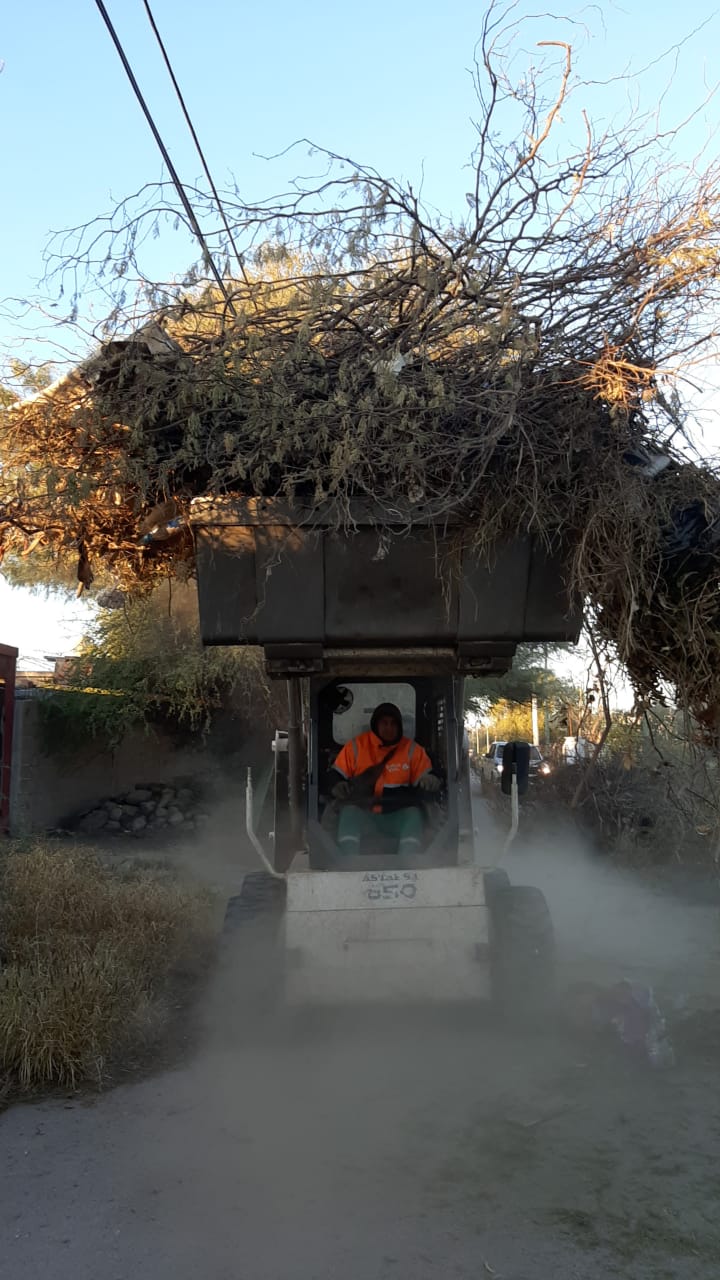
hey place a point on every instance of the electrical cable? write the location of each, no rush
(196, 140)
(192, 219)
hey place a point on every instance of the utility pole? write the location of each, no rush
(546, 720)
(535, 726)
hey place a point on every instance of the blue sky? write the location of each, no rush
(386, 83)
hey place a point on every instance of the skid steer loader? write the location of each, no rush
(390, 609)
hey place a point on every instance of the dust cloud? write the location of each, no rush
(407, 1144)
(658, 928)
(392, 1144)
(610, 923)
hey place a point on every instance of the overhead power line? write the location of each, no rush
(190, 212)
(196, 140)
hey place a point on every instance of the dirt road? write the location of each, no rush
(384, 1149)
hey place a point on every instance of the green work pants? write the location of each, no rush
(358, 827)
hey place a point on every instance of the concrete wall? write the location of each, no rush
(46, 790)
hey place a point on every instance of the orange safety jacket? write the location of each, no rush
(408, 764)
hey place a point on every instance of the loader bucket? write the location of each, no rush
(321, 600)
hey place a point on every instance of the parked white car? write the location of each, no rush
(491, 763)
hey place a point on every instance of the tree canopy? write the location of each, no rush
(517, 370)
(532, 674)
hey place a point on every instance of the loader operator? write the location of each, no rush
(382, 777)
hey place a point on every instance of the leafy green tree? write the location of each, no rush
(510, 720)
(41, 572)
(506, 700)
(531, 673)
(142, 665)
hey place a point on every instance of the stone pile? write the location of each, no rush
(143, 810)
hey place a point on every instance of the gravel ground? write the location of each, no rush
(401, 1149)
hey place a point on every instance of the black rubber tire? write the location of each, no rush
(494, 881)
(522, 953)
(260, 894)
(253, 952)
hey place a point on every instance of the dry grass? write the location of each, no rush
(641, 816)
(88, 958)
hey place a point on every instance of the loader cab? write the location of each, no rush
(431, 708)
(351, 599)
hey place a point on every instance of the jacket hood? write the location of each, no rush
(387, 709)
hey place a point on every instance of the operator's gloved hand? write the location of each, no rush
(429, 782)
(342, 790)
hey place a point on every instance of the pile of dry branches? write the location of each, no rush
(517, 370)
